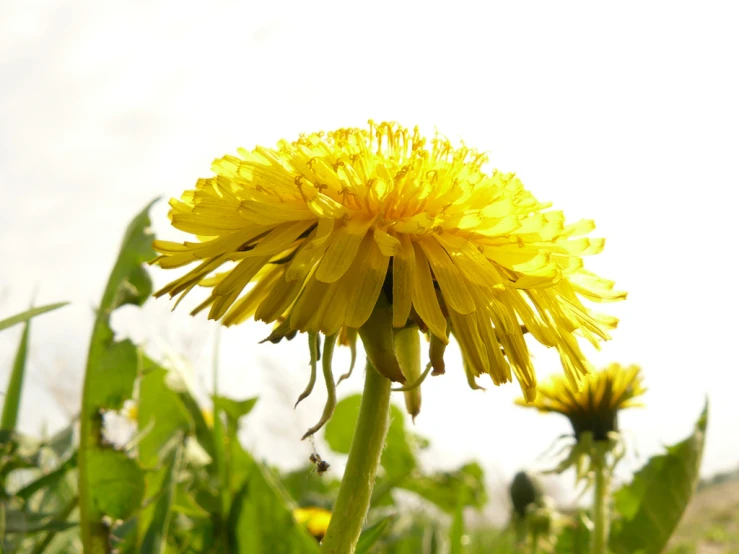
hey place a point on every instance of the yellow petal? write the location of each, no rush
(403, 264)
(389, 245)
(280, 238)
(307, 257)
(334, 314)
(367, 276)
(474, 351)
(245, 306)
(341, 251)
(424, 296)
(279, 299)
(271, 213)
(310, 305)
(453, 286)
(229, 289)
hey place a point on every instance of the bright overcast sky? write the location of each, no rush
(625, 113)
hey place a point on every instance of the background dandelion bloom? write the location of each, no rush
(594, 407)
(321, 226)
(315, 519)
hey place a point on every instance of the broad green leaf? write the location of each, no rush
(28, 314)
(117, 481)
(398, 457)
(110, 483)
(340, 428)
(456, 533)
(234, 409)
(574, 537)
(372, 534)
(164, 483)
(447, 489)
(653, 503)
(262, 519)
(12, 402)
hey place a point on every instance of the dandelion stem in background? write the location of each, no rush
(601, 499)
(353, 501)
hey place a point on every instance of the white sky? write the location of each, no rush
(626, 114)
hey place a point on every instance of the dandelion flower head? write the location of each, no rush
(312, 232)
(594, 407)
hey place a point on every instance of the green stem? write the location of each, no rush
(601, 499)
(355, 492)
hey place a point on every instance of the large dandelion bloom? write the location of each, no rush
(594, 407)
(317, 229)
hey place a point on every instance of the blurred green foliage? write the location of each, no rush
(185, 484)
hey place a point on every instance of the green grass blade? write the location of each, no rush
(28, 314)
(61, 517)
(371, 535)
(12, 403)
(110, 483)
(48, 480)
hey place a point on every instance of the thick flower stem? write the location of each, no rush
(353, 502)
(601, 499)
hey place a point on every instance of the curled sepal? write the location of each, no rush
(313, 346)
(377, 337)
(348, 337)
(415, 384)
(436, 352)
(328, 376)
(408, 353)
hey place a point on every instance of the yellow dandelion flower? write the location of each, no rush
(207, 416)
(316, 520)
(313, 232)
(594, 407)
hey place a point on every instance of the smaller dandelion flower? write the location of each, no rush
(594, 407)
(207, 416)
(314, 519)
(593, 412)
